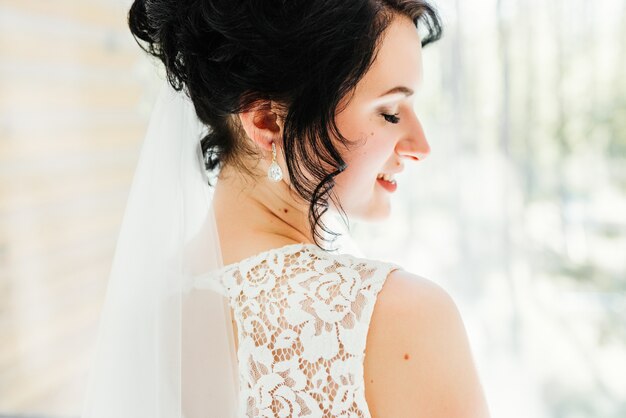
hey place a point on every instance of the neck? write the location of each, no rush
(259, 209)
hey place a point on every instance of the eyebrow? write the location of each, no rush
(399, 89)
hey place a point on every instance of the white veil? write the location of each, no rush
(165, 349)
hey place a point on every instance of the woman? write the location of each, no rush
(309, 110)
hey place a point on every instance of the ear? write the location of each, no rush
(263, 125)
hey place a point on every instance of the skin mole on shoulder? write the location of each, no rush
(406, 356)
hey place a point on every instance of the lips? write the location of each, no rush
(386, 177)
(390, 186)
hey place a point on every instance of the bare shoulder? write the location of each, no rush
(418, 361)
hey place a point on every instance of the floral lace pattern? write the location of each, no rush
(302, 317)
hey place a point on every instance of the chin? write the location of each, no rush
(375, 214)
(380, 217)
(375, 208)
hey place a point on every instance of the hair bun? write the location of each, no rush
(139, 24)
(305, 55)
(155, 23)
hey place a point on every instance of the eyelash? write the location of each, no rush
(391, 118)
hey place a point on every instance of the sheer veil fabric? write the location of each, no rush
(165, 349)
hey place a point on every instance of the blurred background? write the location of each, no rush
(519, 212)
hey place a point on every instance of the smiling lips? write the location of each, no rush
(387, 182)
(387, 177)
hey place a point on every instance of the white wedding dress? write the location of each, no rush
(302, 317)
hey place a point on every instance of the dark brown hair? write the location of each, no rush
(304, 54)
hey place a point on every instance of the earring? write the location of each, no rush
(274, 173)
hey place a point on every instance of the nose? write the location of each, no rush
(413, 143)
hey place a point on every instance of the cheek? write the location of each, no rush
(365, 135)
(364, 164)
(369, 157)
(356, 123)
(365, 157)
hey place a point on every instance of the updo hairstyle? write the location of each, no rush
(304, 55)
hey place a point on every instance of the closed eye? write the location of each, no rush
(393, 118)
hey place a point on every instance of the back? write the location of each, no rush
(418, 360)
(325, 335)
(302, 317)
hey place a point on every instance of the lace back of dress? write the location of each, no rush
(302, 317)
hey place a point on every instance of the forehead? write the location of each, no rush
(398, 61)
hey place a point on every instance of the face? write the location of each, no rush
(380, 117)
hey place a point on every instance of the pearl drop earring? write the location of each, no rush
(274, 173)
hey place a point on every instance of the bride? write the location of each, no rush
(226, 298)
